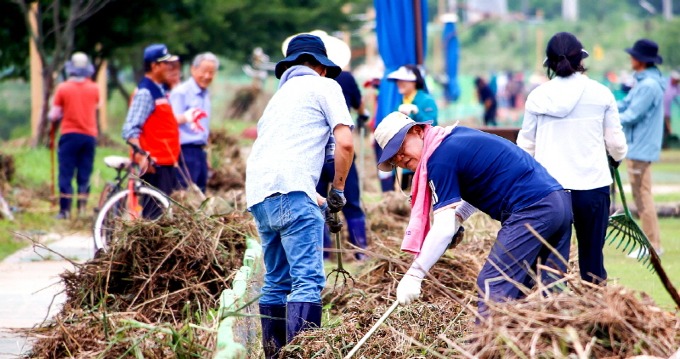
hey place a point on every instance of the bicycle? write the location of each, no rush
(126, 198)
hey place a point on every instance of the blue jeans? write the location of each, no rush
(291, 230)
(517, 251)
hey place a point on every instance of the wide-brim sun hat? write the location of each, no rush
(646, 51)
(390, 135)
(403, 74)
(338, 51)
(307, 44)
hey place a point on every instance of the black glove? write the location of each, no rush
(336, 200)
(332, 220)
(457, 238)
(613, 163)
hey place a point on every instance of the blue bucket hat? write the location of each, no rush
(646, 51)
(306, 44)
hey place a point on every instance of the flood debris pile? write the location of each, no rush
(228, 168)
(409, 332)
(584, 321)
(153, 293)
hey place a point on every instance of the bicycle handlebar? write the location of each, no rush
(137, 149)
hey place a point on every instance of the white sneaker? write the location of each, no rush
(641, 252)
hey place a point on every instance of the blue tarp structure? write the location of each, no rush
(450, 42)
(396, 32)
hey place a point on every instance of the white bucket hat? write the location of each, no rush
(337, 50)
(402, 73)
(390, 135)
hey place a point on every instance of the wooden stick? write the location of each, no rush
(373, 329)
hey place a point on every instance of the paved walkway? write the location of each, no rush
(29, 282)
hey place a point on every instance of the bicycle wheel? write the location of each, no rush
(114, 212)
(108, 190)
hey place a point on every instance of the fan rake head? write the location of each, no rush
(624, 229)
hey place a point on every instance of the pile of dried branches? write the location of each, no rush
(584, 321)
(580, 321)
(154, 292)
(228, 166)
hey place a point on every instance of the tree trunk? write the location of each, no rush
(43, 126)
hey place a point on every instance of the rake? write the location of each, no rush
(623, 227)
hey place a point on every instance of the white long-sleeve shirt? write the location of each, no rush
(570, 123)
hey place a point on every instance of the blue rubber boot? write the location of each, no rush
(273, 329)
(301, 316)
(357, 235)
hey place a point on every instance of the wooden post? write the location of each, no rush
(103, 96)
(417, 13)
(36, 74)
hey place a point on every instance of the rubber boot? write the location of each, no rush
(273, 330)
(327, 243)
(357, 235)
(301, 316)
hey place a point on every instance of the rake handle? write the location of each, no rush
(372, 330)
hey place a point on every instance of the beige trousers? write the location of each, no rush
(640, 176)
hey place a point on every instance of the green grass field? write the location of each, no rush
(633, 274)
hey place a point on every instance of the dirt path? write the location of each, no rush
(29, 282)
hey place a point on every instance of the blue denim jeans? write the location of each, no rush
(291, 230)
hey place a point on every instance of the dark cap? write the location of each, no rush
(309, 45)
(158, 53)
(646, 51)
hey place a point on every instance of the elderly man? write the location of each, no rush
(191, 104)
(75, 103)
(151, 125)
(457, 168)
(641, 113)
(281, 176)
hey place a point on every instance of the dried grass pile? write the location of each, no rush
(228, 166)
(152, 292)
(585, 322)
(7, 169)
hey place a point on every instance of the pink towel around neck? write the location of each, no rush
(421, 193)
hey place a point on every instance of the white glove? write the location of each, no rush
(408, 108)
(408, 289)
(193, 116)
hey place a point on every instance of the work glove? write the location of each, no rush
(408, 108)
(333, 221)
(193, 116)
(408, 289)
(612, 162)
(457, 238)
(336, 200)
(363, 117)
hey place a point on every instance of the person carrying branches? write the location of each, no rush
(282, 171)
